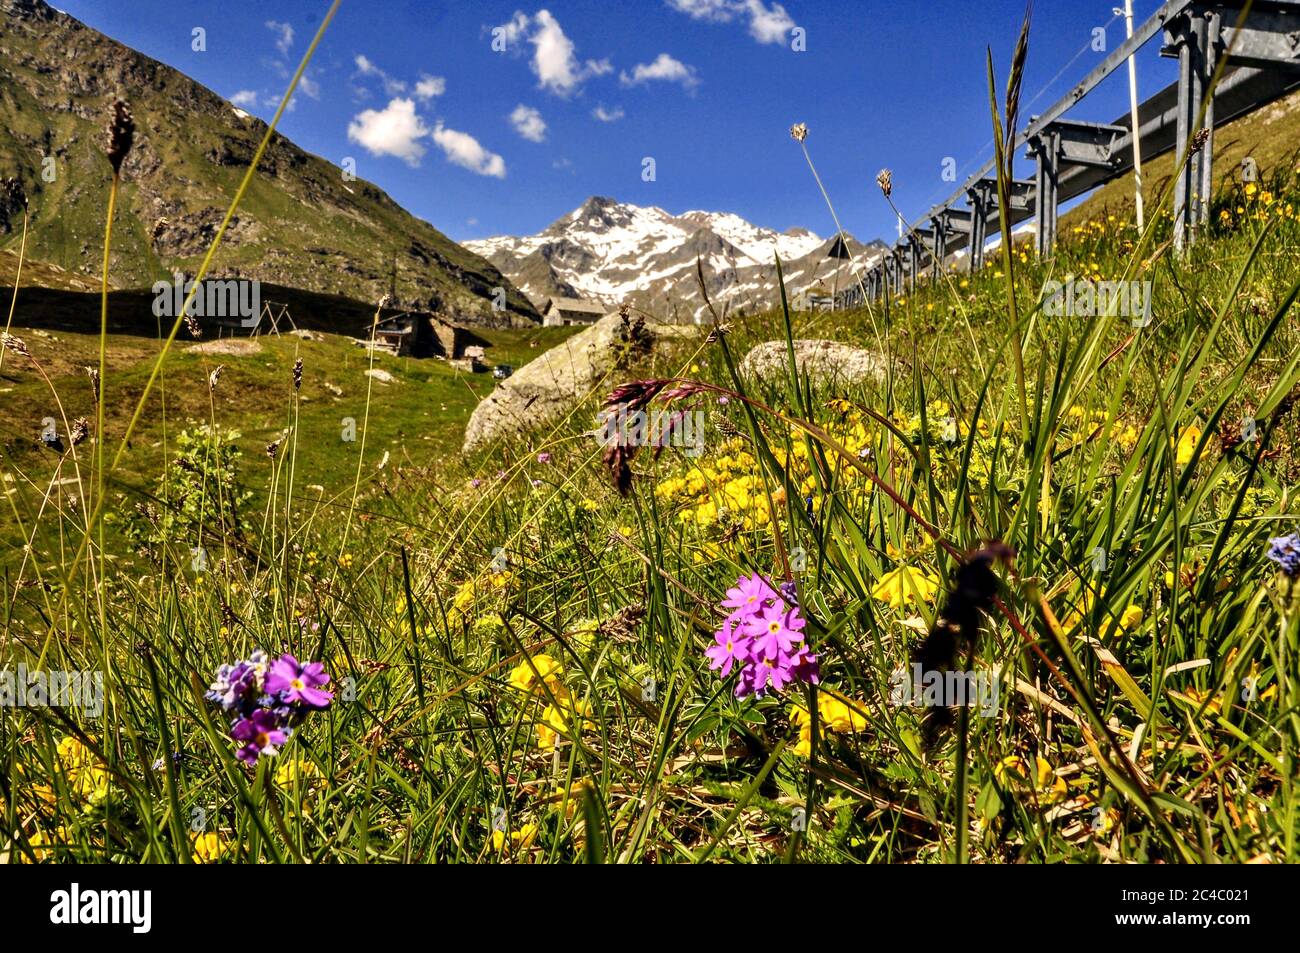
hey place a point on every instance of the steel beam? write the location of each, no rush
(980, 197)
(1193, 37)
(1267, 39)
(956, 221)
(1062, 144)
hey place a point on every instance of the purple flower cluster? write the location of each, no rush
(763, 638)
(266, 699)
(1285, 551)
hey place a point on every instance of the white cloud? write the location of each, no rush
(719, 10)
(309, 86)
(464, 150)
(394, 130)
(766, 24)
(430, 86)
(367, 67)
(284, 35)
(554, 60)
(664, 69)
(608, 115)
(244, 99)
(514, 30)
(528, 122)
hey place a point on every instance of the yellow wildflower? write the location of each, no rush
(1128, 620)
(521, 839)
(42, 845)
(571, 799)
(210, 847)
(1186, 445)
(293, 771)
(835, 714)
(530, 677)
(570, 718)
(1215, 705)
(905, 584)
(1013, 773)
(87, 778)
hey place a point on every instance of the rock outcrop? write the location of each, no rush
(551, 386)
(825, 362)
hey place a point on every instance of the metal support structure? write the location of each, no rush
(1045, 148)
(1260, 38)
(1267, 40)
(1060, 145)
(927, 246)
(957, 221)
(1193, 37)
(980, 197)
(939, 253)
(1023, 202)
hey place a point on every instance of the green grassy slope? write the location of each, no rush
(418, 418)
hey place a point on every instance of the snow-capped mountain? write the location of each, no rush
(612, 252)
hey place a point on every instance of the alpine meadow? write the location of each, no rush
(483, 489)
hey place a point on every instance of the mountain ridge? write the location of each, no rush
(302, 222)
(615, 252)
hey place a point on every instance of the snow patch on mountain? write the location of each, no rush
(613, 252)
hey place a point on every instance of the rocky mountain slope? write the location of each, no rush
(612, 252)
(301, 223)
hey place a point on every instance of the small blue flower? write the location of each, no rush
(1285, 551)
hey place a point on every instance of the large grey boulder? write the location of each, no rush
(546, 389)
(825, 362)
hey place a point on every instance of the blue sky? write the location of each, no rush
(482, 142)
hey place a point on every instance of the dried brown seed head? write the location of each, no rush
(17, 345)
(121, 134)
(885, 179)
